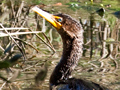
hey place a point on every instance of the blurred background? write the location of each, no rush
(30, 47)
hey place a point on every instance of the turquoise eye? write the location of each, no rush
(60, 20)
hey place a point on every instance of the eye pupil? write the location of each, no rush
(60, 19)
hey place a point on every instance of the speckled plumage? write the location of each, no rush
(72, 37)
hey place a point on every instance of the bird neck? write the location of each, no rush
(72, 51)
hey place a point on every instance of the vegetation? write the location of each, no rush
(28, 43)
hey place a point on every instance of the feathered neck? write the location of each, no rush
(72, 51)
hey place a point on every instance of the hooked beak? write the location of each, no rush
(49, 17)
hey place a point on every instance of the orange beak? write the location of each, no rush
(49, 17)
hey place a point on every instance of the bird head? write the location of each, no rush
(63, 23)
(54, 20)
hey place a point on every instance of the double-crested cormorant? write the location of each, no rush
(72, 36)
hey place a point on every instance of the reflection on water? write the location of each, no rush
(117, 14)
